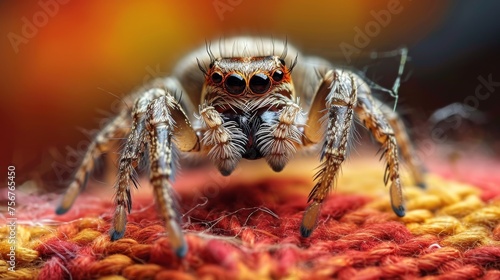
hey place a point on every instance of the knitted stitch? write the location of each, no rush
(248, 229)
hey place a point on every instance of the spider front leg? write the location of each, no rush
(337, 97)
(159, 120)
(129, 159)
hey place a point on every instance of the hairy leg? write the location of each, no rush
(373, 118)
(130, 158)
(159, 122)
(407, 151)
(336, 96)
(162, 116)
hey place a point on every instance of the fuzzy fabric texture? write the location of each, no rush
(247, 227)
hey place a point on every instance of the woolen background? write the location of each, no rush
(68, 72)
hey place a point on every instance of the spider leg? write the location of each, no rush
(117, 128)
(374, 119)
(129, 159)
(160, 121)
(407, 151)
(336, 96)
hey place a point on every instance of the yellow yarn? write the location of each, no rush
(453, 211)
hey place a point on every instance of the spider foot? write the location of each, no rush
(115, 235)
(176, 238)
(310, 219)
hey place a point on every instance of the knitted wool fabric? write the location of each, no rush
(246, 227)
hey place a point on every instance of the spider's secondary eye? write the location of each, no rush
(282, 61)
(277, 75)
(260, 83)
(235, 84)
(216, 77)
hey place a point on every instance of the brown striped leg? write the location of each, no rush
(116, 129)
(162, 116)
(157, 121)
(337, 97)
(166, 122)
(405, 146)
(277, 140)
(129, 159)
(373, 118)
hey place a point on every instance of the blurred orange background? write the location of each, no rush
(88, 52)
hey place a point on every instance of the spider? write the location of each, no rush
(248, 107)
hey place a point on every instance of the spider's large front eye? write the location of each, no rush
(235, 84)
(260, 83)
(277, 75)
(216, 78)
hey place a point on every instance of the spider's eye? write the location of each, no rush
(277, 75)
(216, 77)
(282, 61)
(260, 83)
(235, 84)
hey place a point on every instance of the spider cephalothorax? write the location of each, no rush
(248, 107)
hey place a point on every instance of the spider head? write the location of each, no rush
(248, 92)
(243, 80)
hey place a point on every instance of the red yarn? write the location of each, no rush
(53, 269)
(60, 248)
(486, 256)
(161, 253)
(251, 230)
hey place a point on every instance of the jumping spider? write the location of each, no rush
(248, 107)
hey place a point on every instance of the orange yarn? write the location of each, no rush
(249, 230)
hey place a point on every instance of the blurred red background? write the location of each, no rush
(87, 52)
